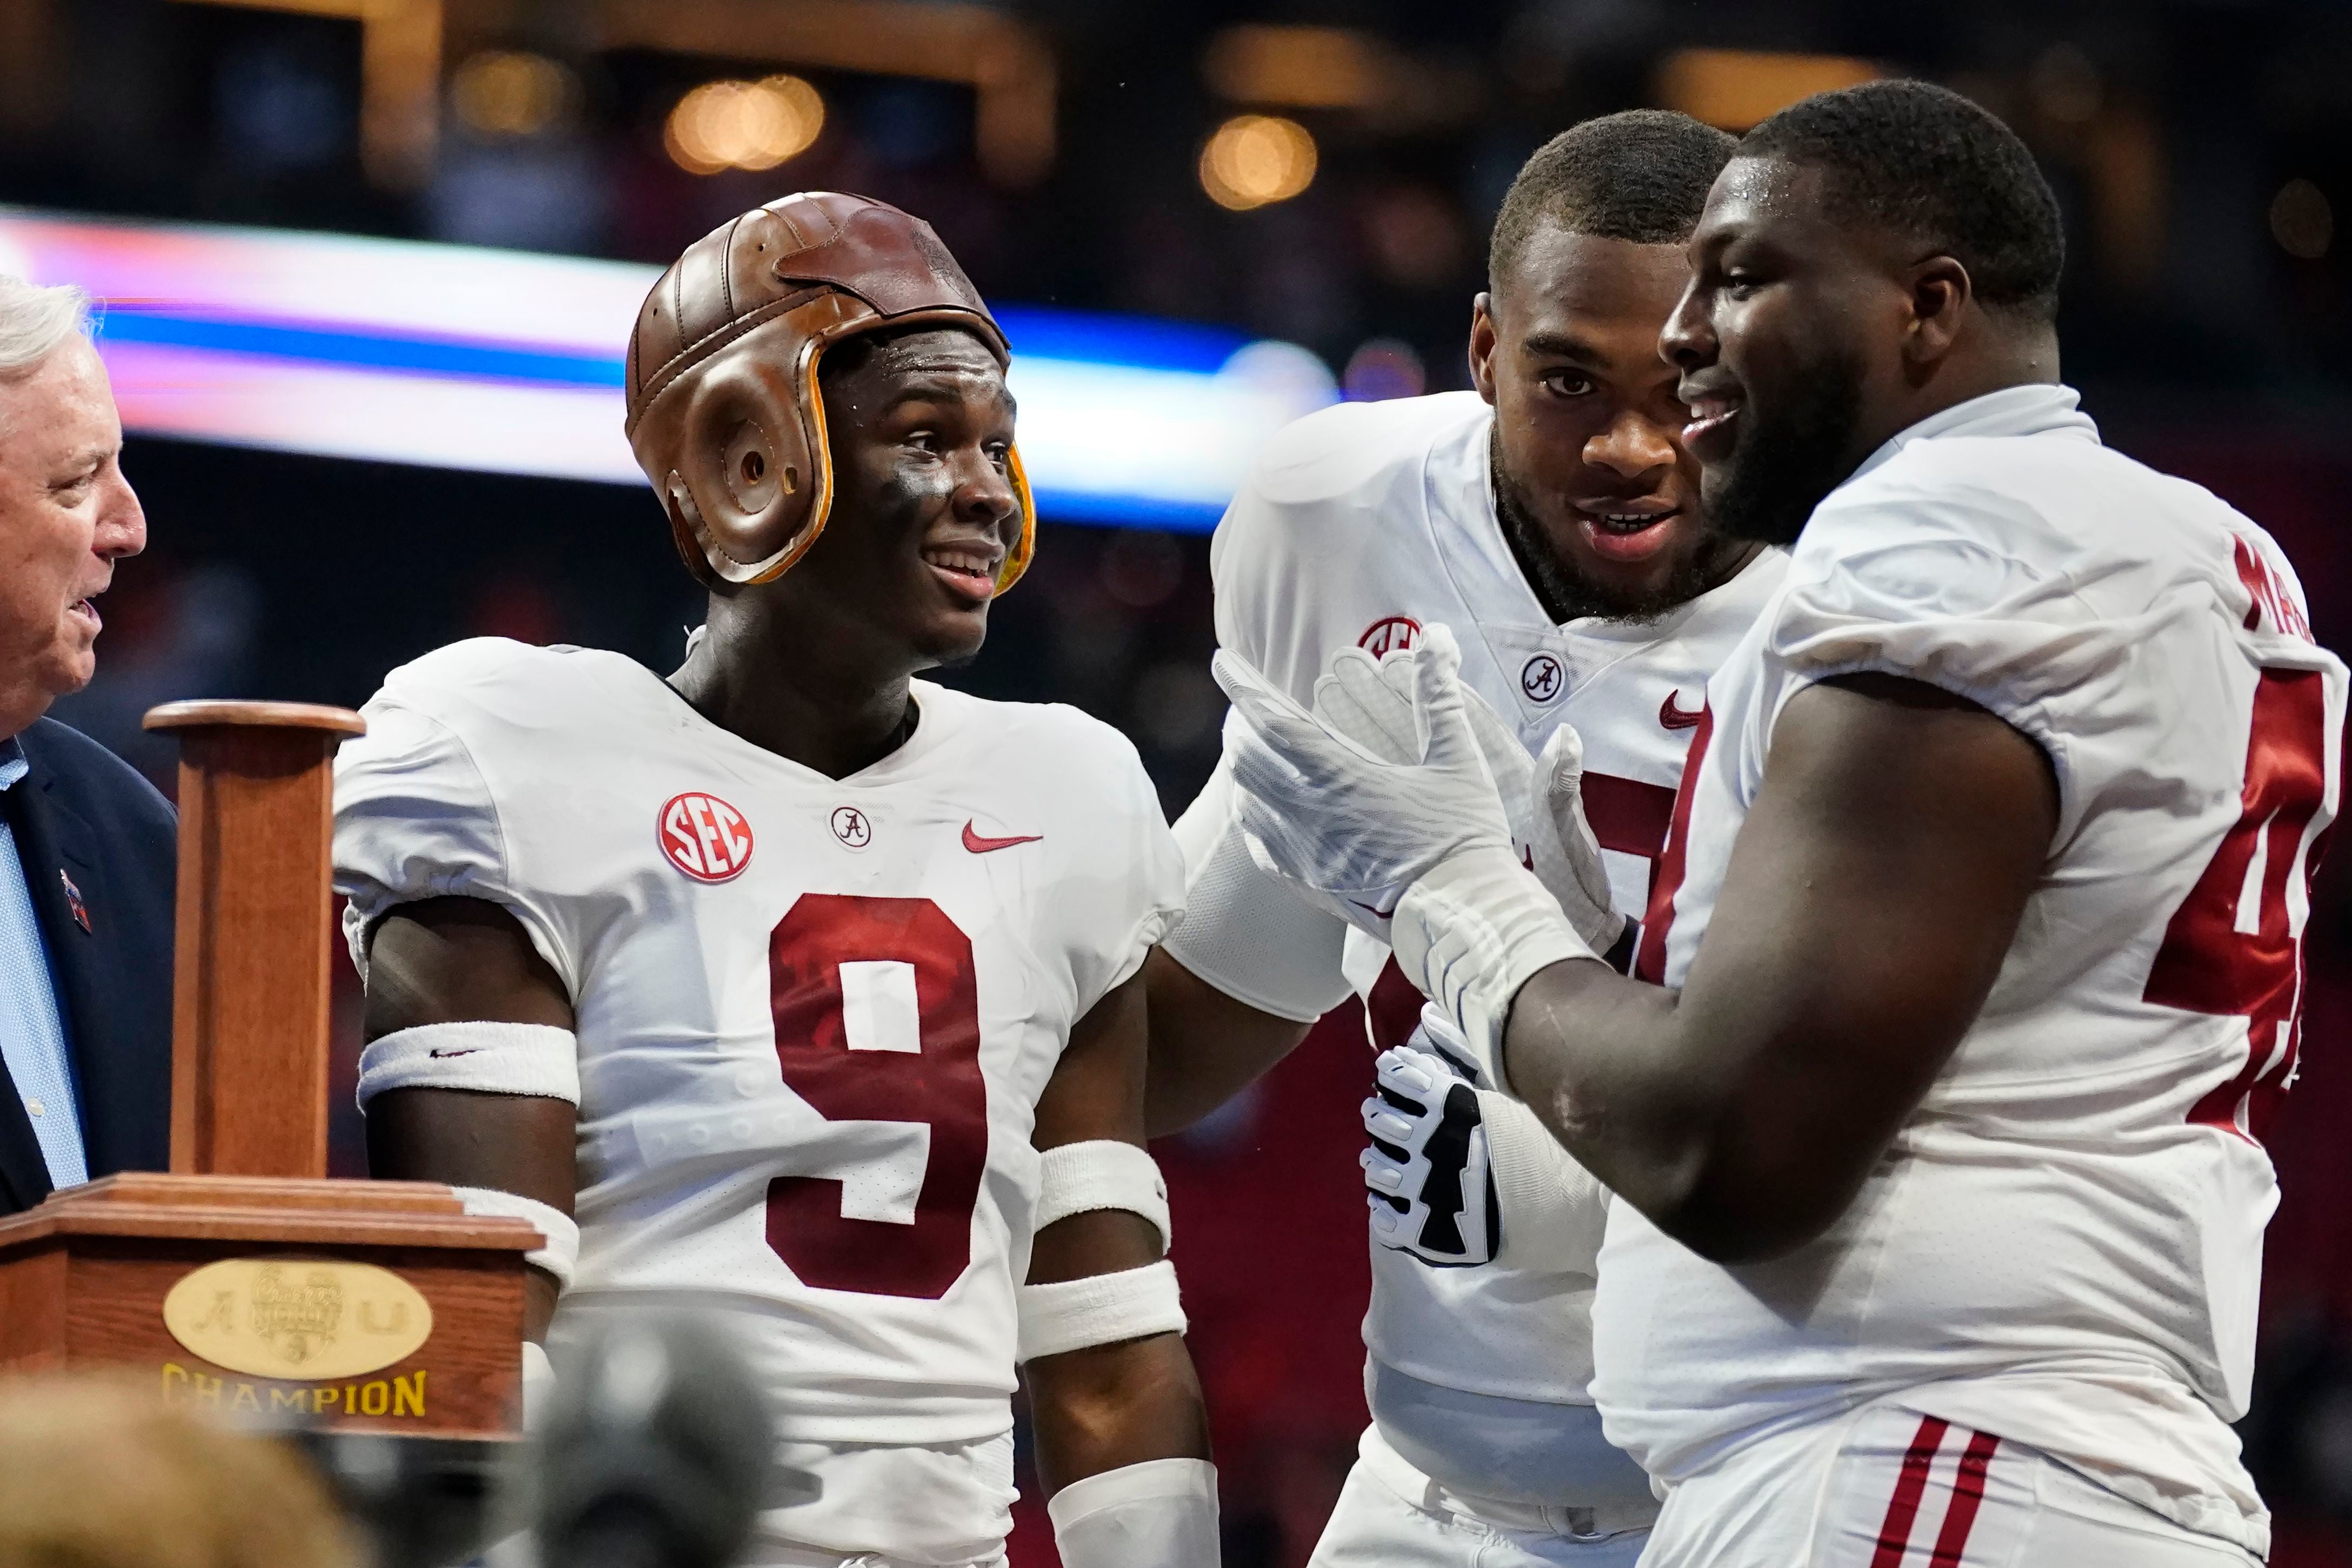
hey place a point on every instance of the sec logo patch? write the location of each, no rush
(1390, 634)
(704, 837)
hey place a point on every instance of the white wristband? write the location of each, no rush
(1101, 1308)
(1101, 1173)
(1160, 1513)
(486, 1058)
(538, 1385)
(1474, 930)
(560, 1255)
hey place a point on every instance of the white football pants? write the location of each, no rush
(1391, 1515)
(1889, 1487)
(884, 1506)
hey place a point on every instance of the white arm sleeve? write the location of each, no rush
(1245, 932)
(1554, 1210)
(1160, 1513)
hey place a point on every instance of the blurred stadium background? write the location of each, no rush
(1201, 218)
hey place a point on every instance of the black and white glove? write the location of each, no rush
(1428, 1172)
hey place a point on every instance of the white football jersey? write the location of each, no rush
(814, 1015)
(1362, 525)
(2063, 1246)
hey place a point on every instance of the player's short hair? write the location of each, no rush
(1923, 161)
(1642, 176)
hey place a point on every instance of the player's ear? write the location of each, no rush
(744, 485)
(1939, 293)
(1483, 340)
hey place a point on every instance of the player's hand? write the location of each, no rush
(1356, 825)
(1429, 1172)
(1370, 703)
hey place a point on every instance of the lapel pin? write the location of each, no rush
(74, 905)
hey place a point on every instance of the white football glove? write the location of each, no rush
(1341, 819)
(1424, 844)
(1370, 703)
(1429, 1169)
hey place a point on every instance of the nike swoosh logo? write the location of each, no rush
(1387, 914)
(1674, 717)
(469, 1051)
(980, 846)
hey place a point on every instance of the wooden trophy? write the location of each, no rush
(245, 1282)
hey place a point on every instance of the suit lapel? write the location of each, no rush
(24, 1171)
(70, 892)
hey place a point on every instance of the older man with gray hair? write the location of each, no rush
(85, 845)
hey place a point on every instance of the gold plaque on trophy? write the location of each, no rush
(300, 1319)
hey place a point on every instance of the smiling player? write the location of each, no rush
(1553, 514)
(1940, 1192)
(811, 988)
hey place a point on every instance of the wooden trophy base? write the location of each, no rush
(356, 1306)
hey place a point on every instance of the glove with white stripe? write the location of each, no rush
(1428, 1172)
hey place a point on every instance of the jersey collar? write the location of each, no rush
(2040, 409)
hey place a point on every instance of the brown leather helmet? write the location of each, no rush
(724, 411)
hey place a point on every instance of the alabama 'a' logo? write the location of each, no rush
(704, 837)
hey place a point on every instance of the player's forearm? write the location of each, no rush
(506, 1143)
(1107, 1406)
(1736, 1118)
(1206, 1047)
(1598, 1059)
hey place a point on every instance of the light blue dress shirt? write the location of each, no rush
(32, 1025)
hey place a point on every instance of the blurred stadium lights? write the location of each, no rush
(1300, 68)
(511, 362)
(1255, 159)
(1737, 88)
(748, 125)
(400, 79)
(1383, 368)
(1006, 65)
(1337, 68)
(507, 92)
(1002, 60)
(2302, 221)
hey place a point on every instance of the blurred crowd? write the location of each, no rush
(2198, 148)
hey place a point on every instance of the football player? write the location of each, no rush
(1552, 515)
(808, 989)
(1972, 977)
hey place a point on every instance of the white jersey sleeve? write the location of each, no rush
(1934, 602)
(1246, 931)
(414, 818)
(1131, 894)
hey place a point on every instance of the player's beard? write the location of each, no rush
(1786, 462)
(1566, 592)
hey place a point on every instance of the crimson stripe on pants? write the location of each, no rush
(1968, 1491)
(1903, 1508)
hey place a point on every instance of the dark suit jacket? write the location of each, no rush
(83, 811)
